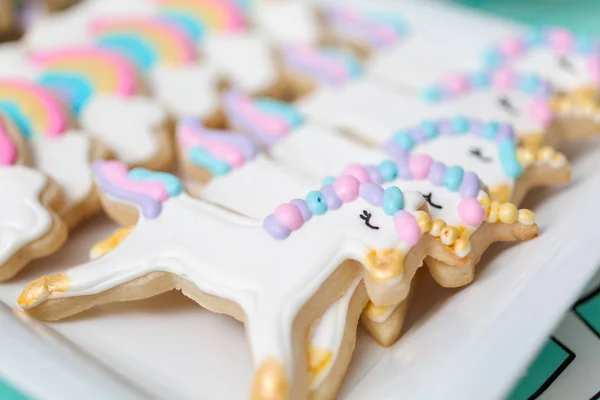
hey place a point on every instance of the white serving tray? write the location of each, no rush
(461, 344)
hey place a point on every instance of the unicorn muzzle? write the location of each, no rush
(385, 265)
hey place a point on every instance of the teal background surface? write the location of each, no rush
(581, 16)
(8, 392)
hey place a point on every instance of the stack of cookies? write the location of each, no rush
(295, 131)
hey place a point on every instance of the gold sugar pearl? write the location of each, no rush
(526, 217)
(545, 154)
(525, 156)
(508, 213)
(449, 235)
(424, 221)
(436, 227)
(493, 211)
(485, 203)
(462, 246)
(559, 159)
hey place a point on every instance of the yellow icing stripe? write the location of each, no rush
(44, 287)
(107, 245)
(319, 360)
(375, 312)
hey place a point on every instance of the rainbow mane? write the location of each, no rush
(378, 30)
(8, 150)
(201, 17)
(80, 73)
(403, 142)
(146, 189)
(460, 84)
(265, 119)
(560, 40)
(327, 65)
(217, 151)
(146, 41)
(32, 108)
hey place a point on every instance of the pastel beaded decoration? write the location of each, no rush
(372, 31)
(486, 147)
(502, 95)
(182, 243)
(217, 151)
(569, 61)
(323, 65)
(78, 74)
(267, 120)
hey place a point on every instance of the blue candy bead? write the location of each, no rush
(489, 130)
(460, 125)
(315, 203)
(453, 178)
(405, 140)
(430, 129)
(388, 170)
(393, 200)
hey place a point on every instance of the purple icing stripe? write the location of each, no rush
(150, 207)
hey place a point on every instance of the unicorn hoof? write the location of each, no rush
(270, 381)
(42, 288)
(385, 265)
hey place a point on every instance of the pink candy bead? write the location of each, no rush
(357, 171)
(562, 40)
(457, 84)
(512, 47)
(504, 79)
(289, 216)
(347, 188)
(407, 228)
(540, 111)
(594, 68)
(471, 212)
(419, 165)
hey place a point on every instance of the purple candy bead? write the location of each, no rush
(372, 193)
(403, 169)
(470, 185)
(505, 131)
(275, 228)
(419, 136)
(330, 197)
(436, 173)
(375, 175)
(476, 127)
(301, 205)
(393, 149)
(445, 126)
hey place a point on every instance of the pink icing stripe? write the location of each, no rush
(269, 123)
(57, 120)
(126, 76)
(318, 61)
(8, 150)
(191, 137)
(116, 172)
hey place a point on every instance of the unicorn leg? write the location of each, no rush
(122, 275)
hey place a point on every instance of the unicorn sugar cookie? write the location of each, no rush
(101, 90)
(244, 59)
(290, 137)
(167, 56)
(570, 62)
(66, 156)
(277, 313)
(29, 227)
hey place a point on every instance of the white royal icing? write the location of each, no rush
(66, 159)
(13, 62)
(128, 125)
(546, 63)
(186, 91)
(270, 295)
(287, 22)
(23, 219)
(244, 59)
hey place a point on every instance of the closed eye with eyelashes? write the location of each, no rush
(366, 216)
(478, 153)
(507, 105)
(428, 198)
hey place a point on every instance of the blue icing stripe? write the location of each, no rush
(76, 89)
(172, 183)
(352, 64)
(134, 48)
(508, 158)
(281, 109)
(390, 19)
(186, 22)
(17, 117)
(203, 158)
